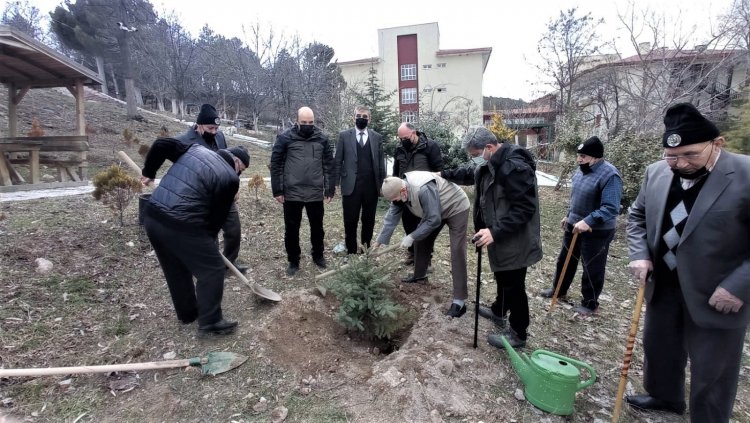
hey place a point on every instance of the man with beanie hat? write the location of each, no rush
(594, 205)
(689, 245)
(206, 133)
(182, 228)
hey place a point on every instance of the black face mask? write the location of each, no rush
(210, 140)
(406, 143)
(695, 175)
(306, 131)
(585, 168)
(361, 123)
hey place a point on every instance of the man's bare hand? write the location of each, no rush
(563, 222)
(328, 200)
(280, 199)
(640, 270)
(724, 302)
(484, 238)
(581, 226)
(146, 181)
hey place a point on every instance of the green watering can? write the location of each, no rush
(551, 380)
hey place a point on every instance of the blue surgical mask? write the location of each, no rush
(478, 160)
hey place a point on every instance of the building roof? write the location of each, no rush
(664, 54)
(370, 60)
(26, 62)
(461, 51)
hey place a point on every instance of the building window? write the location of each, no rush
(408, 72)
(441, 89)
(410, 117)
(409, 96)
(426, 66)
(440, 65)
(427, 90)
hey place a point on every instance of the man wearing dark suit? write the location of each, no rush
(206, 133)
(360, 168)
(689, 243)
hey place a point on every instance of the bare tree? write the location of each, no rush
(25, 17)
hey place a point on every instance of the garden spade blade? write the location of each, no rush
(218, 362)
(258, 290)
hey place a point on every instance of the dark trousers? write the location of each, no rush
(292, 222)
(363, 200)
(232, 233)
(591, 248)
(410, 222)
(670, 337)
(511, 296)
(184, 253)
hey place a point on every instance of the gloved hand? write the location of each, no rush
(407, 241)
(724, 302)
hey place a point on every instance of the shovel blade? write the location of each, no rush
(265, 293)
(219, 362)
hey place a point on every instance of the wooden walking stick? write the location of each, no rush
(628, 354)
(562, 274)
(479, 284)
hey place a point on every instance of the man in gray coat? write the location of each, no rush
(360, 166)
(302, 178)
(689, 243)
(206, 132)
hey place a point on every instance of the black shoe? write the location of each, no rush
(222, 327)
(241, 267)
(513, 339)
(320, 262)
(412, 279)
(456, 311)
(188, 320)
(647, 402)
(409, 259)
(292, 269)
(585, 311)
(487, 313)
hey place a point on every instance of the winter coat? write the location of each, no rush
(425, 156)
(302, 168)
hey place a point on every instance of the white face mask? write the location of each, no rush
(479, 160)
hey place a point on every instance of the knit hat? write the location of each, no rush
(592, 147)
(241, 153)
(391, 187)
(208, 116)
(685, 125)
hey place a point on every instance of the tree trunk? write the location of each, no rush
(114, 81)
(127, 74)
(130, 98)
(175, 109)
(138, 97)
(160, 102)
(102, 73)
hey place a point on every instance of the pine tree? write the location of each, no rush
(737, 131)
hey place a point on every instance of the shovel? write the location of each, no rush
(212, 364)
(254, 287)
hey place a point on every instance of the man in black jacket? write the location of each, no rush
(301, 178)
(182, 219)
(206, 133)
(415, 152)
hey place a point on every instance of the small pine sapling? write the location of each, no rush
(115, 188)
(143, 150)
(256, 183)
(363, 291)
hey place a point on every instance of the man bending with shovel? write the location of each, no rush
(437, 202)
(182, 219)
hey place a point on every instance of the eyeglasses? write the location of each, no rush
(672, 158)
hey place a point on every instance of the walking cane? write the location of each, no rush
(479, 284)
(628, 355)
(562, 274)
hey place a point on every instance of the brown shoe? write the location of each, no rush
(409, 259)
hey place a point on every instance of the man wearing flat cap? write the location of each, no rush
(595, 194)
(206, 133)
(689, 244)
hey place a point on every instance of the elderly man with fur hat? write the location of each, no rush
(689, 244)
(594, 205)
(183, 217)
(206, 133)
(436, 202)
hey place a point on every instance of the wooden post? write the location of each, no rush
(34, 166)
(81, 127)
(12, 111)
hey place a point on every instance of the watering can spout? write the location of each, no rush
(520, 362)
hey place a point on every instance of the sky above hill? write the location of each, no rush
(512, 29)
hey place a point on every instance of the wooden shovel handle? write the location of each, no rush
(562, 274)
(151, 365)
(125, 158)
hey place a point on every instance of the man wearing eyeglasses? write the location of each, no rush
(206, 133)
(359, 164)
(689, 244)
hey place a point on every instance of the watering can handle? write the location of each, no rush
(579, 364)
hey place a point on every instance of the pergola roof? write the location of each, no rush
(27, 63)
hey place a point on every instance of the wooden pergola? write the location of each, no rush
(25, 64)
